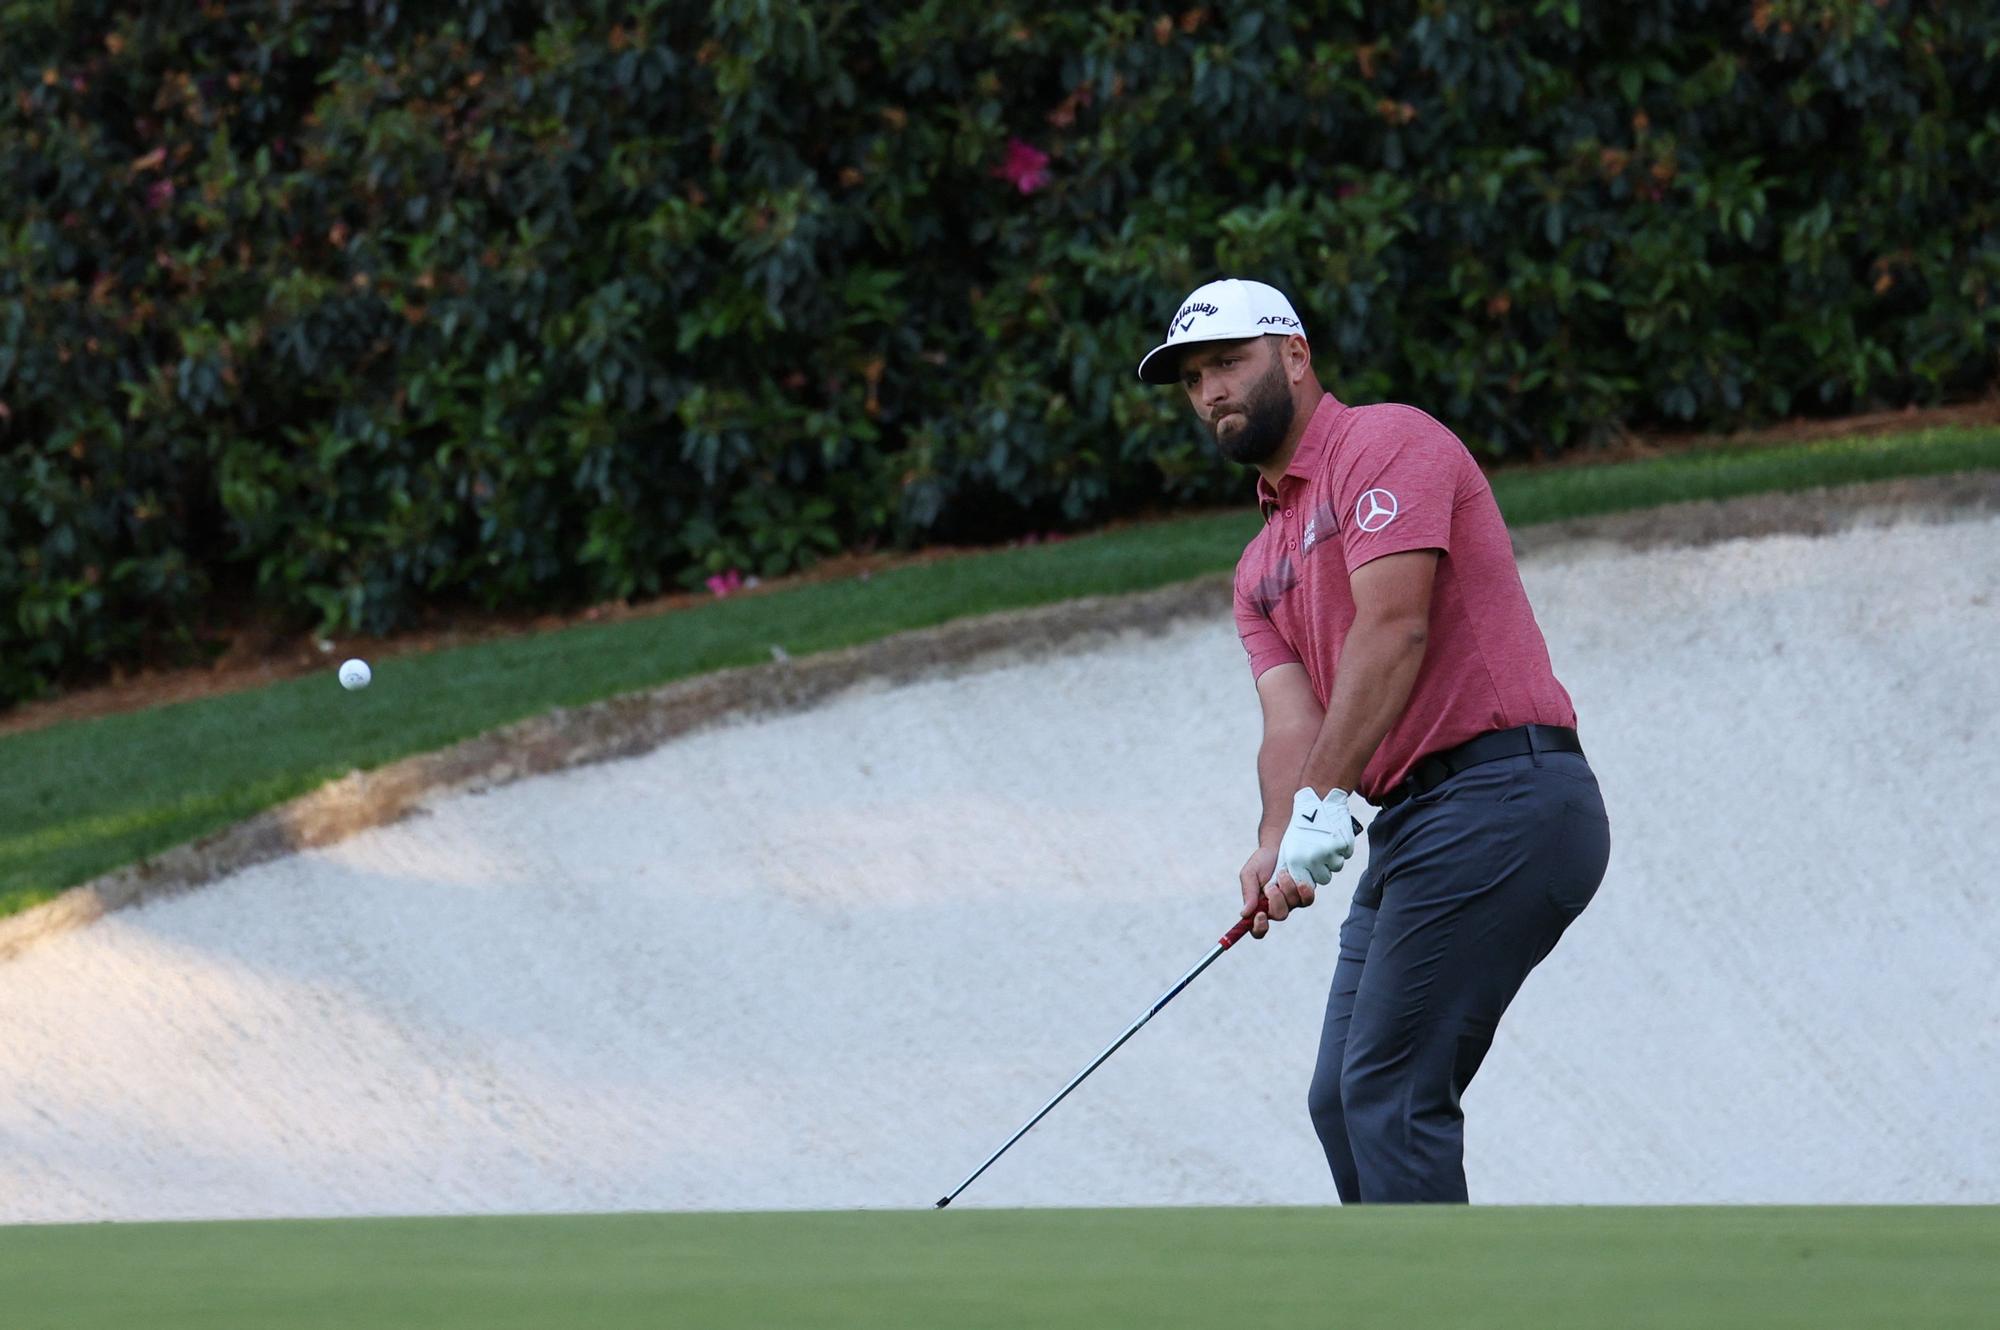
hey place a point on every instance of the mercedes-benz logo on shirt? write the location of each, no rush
(1375, 510)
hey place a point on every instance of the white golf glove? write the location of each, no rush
(1319, 839)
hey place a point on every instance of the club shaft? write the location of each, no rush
(1236, 933)
(1165, 998)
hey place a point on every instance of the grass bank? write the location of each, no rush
(1409, 1268)
(82, 798)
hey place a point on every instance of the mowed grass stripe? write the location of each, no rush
(1408, 1268)
(83, 798)
(1529, 497)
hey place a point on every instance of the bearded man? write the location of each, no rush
(1395, 656)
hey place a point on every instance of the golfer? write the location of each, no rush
(1395, 656)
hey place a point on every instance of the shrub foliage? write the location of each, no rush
(349, 309)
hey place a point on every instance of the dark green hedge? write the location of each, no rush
(342, 310)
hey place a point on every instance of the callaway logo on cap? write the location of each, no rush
(1224, 311)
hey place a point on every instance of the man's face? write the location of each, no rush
(1241, 391)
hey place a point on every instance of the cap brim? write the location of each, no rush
(1160, 367)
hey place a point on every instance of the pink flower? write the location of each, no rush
(1348, 190)
(1026, 167)
(160, 194)
(724, 583)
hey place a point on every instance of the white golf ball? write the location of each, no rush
(355, 674)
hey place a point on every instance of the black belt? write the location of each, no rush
(1434, 769)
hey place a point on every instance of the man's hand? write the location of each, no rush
(1318, 840)
(1268, 899)
(1256, 874)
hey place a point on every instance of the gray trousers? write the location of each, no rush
(1468, 887)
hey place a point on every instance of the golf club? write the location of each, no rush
(1228, 940)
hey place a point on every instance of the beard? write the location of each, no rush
(1260, 423)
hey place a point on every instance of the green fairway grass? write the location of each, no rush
(1408, 1268)
(84, 797)
(1529, 497)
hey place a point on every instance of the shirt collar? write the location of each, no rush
(1307, 457)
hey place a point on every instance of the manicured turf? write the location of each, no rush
(1810, 1268)
(80, 799)
(1723, 473)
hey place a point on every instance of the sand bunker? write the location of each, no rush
(833, 959)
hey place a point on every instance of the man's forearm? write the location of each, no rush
(1378, 668)
(1279, 761)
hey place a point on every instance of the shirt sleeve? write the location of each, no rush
(1397, 484)
(1262, 641)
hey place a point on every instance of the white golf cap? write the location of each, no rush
(1224, 311)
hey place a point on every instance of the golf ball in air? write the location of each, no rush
(355, 674)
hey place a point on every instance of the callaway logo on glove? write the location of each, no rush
(1315, 847)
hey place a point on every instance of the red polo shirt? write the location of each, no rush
(1373, 480)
